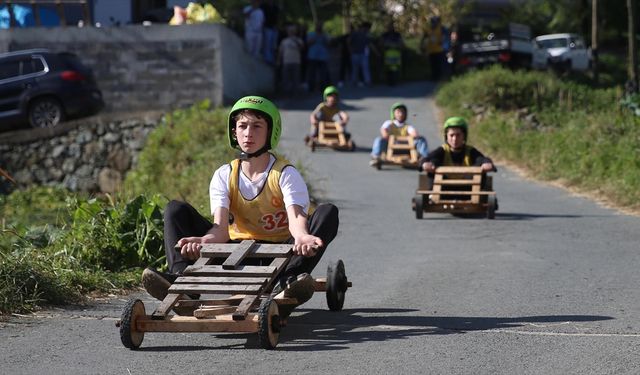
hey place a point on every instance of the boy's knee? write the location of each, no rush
(328, 211)
(175, 208)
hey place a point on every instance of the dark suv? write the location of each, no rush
(43, 88)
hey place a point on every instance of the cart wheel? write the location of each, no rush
(492, 204)
(268, 324)
(352, 145)
(336, 285)
(379, 164)
(312, 144)
(130, 336)
(418, 205)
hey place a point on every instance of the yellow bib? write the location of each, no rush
(448, 161)
(263, 218)
(394, 130)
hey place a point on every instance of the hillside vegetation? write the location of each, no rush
(589, 139)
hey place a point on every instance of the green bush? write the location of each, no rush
(587, 141)
(181, 154)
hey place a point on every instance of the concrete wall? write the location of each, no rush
(158, 67)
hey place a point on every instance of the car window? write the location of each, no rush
(9, 69)
(553, 43)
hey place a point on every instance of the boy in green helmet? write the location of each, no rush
(327, 111)
(257, 196)
(397, 125)
(455, 151)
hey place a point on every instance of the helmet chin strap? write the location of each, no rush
(246, 156)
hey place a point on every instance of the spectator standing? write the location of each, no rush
(270, 42)
(433, 42)
(345, 59)
(317, 58)
(253, 25)
(359, 46)
(290, 58)
(392, 45)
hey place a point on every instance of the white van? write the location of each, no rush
(560, 51)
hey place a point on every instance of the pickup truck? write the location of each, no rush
(480, 46)
(561, 52)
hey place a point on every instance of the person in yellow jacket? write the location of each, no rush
(434, 42)
(257, 196)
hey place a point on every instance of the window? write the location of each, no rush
(9, 69)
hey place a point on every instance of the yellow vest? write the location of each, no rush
(434, 40)
(394, 130)
(448, 161)
(263, 218)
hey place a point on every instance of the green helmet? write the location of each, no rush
(396, 106)
(456, 122)
(330, 90)
(262, 105)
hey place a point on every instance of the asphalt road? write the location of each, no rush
(548, 287)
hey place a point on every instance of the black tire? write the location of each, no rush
(313, 146)
(268, 324)
(336, 285)
(379, 164)
(492, 204)
(45, 112)
(418, 205)
(130, 337)
(352, 145)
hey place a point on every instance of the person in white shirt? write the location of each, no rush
(258, 196)
(397, 125)
(253, 25)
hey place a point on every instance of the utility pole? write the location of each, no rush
(632, 84)
(594, 39)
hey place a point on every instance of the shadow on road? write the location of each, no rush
(316, 330)
(336, 331)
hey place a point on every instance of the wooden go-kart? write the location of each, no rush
(332, 135)
(233, 297)
(456, 190)
(400, 151)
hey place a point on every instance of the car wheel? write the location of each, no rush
(45, 113)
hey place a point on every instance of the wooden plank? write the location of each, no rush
(221, 323)
(230, 301)
(458, 170)
(475, 198)
(220, 280)
(454, 192)
(213, 311)
(236, 257)
(244, 307)
(165, 306)
(214, 270)
(214, 289)
(458, 182)
(213, 250)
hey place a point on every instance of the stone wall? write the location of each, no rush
(156, 67)
(94, 156)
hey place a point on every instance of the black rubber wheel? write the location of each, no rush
(418, 205)
(131, 338)
(45, 113)
(268, 324)
(336, 285)
(313, 146)
(352, 145)
(379, 164)
(492, 204)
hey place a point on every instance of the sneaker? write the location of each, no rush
(374, 162)
(157, 283)
(301, 288)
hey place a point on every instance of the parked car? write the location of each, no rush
(562, 52)
(42, 88)
(482, 45)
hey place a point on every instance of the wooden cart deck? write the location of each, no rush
(401, 151)
(456, 190)
(232, 296)
(332, 135)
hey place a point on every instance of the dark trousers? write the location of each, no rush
(317, 72)
(182, 220)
